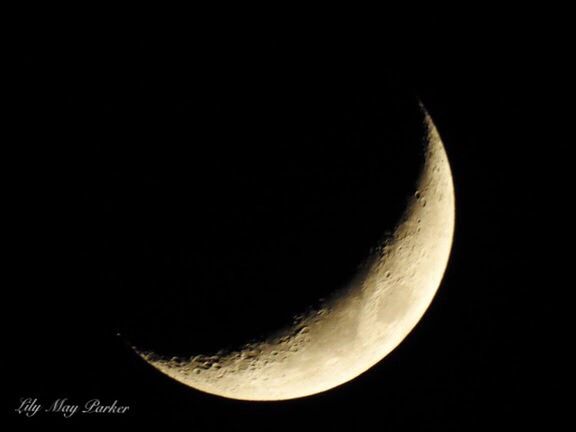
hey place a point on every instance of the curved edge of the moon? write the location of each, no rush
(358, 327)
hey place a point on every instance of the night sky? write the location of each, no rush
(192, 187)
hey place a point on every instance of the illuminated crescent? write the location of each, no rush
(359, 325)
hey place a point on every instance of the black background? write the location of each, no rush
(181, 181)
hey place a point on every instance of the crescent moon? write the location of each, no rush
(359, 325)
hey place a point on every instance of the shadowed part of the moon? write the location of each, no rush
(271, 207)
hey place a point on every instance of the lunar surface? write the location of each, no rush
(357, 326)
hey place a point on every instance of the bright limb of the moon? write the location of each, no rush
(359, 325)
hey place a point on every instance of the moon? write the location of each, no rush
(358, 325)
